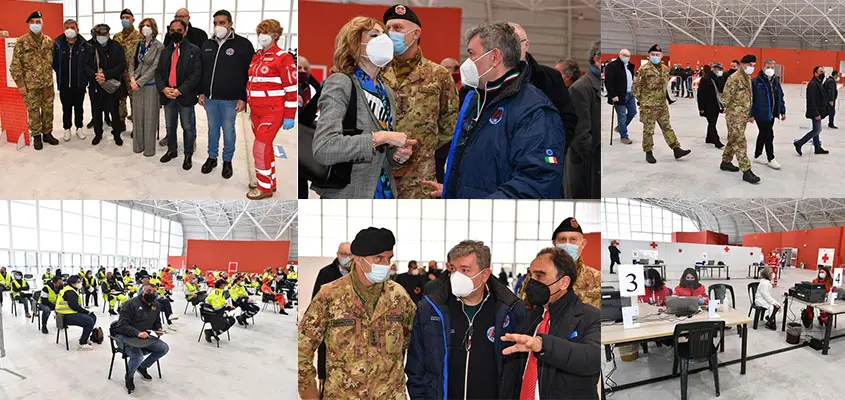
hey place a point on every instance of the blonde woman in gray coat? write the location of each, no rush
(142, 83)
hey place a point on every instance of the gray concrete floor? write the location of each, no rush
(625, 172)
(259, 362)
(78, 170)
(771, 377)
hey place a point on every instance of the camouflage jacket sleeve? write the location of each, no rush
(16, 67)
(311, 329)
(448, 109)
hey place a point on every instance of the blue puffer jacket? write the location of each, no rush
(427, 366)
(761, 104)
(514, 150)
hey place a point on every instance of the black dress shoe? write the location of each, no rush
(144, 374)
(97, 139)
(209, 165)
(37, 143)
(821, 151)
(727, 166)
(168, 156)
(186, 165)
(227, 169)
(118, 140)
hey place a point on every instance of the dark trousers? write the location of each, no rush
(102, 102)
(173, 114)
(72, 99)
(712, 133)
(765, 138)
(85, 321)
(813, 135)
(832, 110)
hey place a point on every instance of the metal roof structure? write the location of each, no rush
(737, 217)
(228, 220)
(799, 24)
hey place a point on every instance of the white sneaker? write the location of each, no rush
(84, 347)
(80, 134)
(67, 135)
(761, 160)
(774, 164)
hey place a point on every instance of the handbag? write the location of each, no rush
(336, 176)
(109, 85)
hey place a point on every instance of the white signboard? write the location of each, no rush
(631, 281)
(825, 257)
(10, 50)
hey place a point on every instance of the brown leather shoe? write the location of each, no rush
(256, 194)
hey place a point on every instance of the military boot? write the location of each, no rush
(649, 157)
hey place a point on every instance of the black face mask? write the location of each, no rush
(149, 298)
(176, 37)
(538, 293)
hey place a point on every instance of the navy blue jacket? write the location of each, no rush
(427, 366)
(78, 53)
(516, 148)
(761, 104)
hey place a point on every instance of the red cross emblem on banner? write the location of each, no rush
(825, 258)
(653, 245)
(727, 249)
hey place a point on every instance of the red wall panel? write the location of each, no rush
(320, 22)
(252, 256)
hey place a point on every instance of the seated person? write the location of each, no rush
(655, 289)
(47, 301)
(823, 276)
(113, 292)
(137, 321)
(21, 292)
(69, 306)
(690, 286)
(89, 283)
(192, 292)
(763, 297)
(240, 298)
(280, 298)
(216, 303)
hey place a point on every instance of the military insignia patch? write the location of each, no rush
(497, 116)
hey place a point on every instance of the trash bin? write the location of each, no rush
(793, 333)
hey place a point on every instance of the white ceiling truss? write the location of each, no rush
(803, 24)
(737, 217)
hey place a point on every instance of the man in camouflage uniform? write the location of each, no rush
(32, 71)
(365, 321)
(649, 88)
(128, 38)
(569, 237)
(426, 101)
(737, 99)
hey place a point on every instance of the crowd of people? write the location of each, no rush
(389, 123)
(460, 332)
(224, 74)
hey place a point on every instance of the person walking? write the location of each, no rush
(817, 109)
(710, 103)
(767, 106)
(142, 82)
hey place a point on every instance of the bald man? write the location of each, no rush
(194, 35)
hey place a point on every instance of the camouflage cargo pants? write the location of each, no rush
(39, 110)
(737, 146)
(650, 115)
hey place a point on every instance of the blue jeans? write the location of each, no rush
(813, 134)
(221, 115)
(82, 320)
(185, 115)
(156, 351)
(625, 113)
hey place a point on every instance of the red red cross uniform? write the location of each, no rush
(271, 94)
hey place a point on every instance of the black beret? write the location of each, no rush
(35, 14)
(655, 48)
(400, 11)
(568, 225)
(126, 11)
(748, 58)
(372, 241)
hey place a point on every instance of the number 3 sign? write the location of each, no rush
(631, 281)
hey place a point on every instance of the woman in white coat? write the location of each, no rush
(764, 298)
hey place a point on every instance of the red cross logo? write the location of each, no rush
(825, 258)
(727, 249)
(653, 245)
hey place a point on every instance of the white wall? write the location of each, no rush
(737, 257)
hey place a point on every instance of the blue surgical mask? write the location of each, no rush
(399, 46)
(378, 272)
(654, 59)
(625, 59)
(572, 249)
(126, 24)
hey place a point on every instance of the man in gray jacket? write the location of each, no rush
(584, 154)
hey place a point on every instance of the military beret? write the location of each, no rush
(400, 11)
(372, 241)
(35, 14)
(748, 58)
(655, 48)
(568, 225)
(126, 11)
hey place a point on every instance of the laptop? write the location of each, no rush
(682, 305)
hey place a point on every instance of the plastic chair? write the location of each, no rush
(115, 349)
(207, 319)
(699, 346)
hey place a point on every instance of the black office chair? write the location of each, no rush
(210, 319)
(115, 349)
(759, 312)
(699, 346)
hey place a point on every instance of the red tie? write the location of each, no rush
(529, 380)
(174, 59)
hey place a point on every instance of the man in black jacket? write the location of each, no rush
(106, 62)
(557, 351)
(69, 56)
(139, 317)
(832, 93)
(225, 60)
(178, 85)
(618, 78)
(330, 273)
(709, 105)
(817, 106)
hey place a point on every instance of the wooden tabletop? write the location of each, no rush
(838, 307)
(654, 326)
